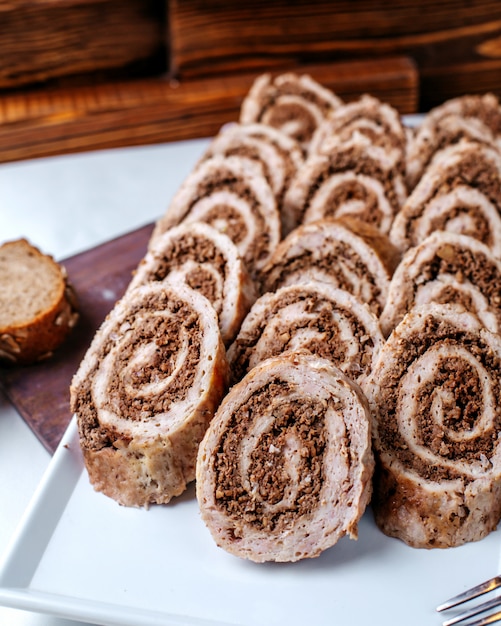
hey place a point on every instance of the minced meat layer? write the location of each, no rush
(479, 225)
(166, 333)
(344, 127)
(304, 419)
(334, 254)
(252, 152)
(457, 380)
(349, 191)
(189, 247)
(201, 250)
(235, 227)
(304, 122)
(473, 170)
(330, 345)
(354, 160)
(465, 265)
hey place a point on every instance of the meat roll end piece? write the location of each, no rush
(285, 468)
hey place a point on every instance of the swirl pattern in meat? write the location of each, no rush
(295, 104)
(232, 195)
(285, 467)
(146, 391)
(474, 118)
(206, 260)
(353, 179)
(280, 155)
(367, 116)
(347, 254)
(462, 209)
(446, 268)
(312, 317)
(437, 439)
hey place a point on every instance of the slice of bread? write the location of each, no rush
(37, 305)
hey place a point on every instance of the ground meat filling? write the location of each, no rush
(289, 168)
(350, 191)
(267, 470)
(474, 171)
(205, 282)
(465, 265)
(336, 258)
(167, 337)
(201, 251)
(234, 224)
(385, 138)
(304, 122)
(296, 89)
(189, 248)
(457, 382)
(475, 223)
(358, 163)
(328, 343)
(253, 153)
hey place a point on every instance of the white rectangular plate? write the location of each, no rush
(79, 555)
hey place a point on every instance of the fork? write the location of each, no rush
(470, 594)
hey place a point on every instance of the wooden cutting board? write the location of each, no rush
(100, 276)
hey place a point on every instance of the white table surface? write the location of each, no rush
(65, 205)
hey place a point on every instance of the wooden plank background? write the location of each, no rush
(61, 120)
(456, 45)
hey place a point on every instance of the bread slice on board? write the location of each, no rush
(37, 305)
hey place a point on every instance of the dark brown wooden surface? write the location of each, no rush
(56, 121)
(450, 41)
(100, 276)
(44, 40)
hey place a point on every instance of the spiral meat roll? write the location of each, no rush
(146, 391)
(314, 317)
(459, 192)
(206, 260)
(367, 116)
(295, 104)
(475, 118)
(435, 398)
(232, 195)
(280, 155)
(354, 178)
(446, 268)
(347, 254)
(285, 467)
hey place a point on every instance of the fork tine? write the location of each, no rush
(490, 619)
(474, 592)
(476, 610)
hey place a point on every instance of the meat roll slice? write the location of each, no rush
(460, 192)
(367, 116)
(285, 468)
(477, 118)
(295, 104)
(464, 210)
(232, 195)
(355, 178)
(317, 318)
(347, 254)
(206, 260)
(146, 391)
(435, 397)
(280, 155)
(446, 267)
